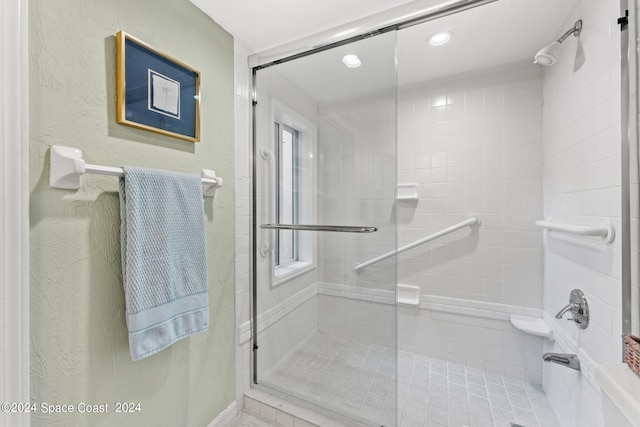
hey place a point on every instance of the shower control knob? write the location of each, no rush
(579, 307)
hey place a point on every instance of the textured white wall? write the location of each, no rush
(582, 186)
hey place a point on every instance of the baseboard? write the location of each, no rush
(225, 417)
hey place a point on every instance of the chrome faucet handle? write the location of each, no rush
(579, 307)
(574, 308)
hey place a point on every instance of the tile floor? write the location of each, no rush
(356, 378)
(246, 419)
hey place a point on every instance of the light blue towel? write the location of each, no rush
(164, 260)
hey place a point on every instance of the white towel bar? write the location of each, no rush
(606, 231)
(67, 167)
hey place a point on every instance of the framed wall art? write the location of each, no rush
(156, 92)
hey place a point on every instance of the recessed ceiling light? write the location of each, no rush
(351, 61)
(440, 38)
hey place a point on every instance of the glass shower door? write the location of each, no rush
(324, 202)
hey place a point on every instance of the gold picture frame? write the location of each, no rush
(156, 92)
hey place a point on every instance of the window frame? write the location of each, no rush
(280, 128)
(307, 209)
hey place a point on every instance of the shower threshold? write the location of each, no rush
(357, 379)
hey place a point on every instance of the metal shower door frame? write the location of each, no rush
(378, 24)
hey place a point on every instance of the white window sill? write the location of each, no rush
(291, 271)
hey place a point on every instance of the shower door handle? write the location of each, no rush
(333, 228)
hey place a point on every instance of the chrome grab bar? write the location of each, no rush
(334, 228)
(466, 223)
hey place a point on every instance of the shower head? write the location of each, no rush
(549, 55)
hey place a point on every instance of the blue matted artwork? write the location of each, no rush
(156, 92)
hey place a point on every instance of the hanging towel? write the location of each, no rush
(164, 267)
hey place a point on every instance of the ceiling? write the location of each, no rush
(261, 24)
(498, 33)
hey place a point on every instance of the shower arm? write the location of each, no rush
(577, 28)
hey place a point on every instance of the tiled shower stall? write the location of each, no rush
(510, 144)
(472, 144)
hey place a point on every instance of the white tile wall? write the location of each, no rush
(491, 345)
(284, 336)
(582, 185)
(356, 186)
(276, 339)
(473, 143)
(273, 86)
(441, 332)
(357, 319)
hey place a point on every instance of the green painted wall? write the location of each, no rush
(79, 339)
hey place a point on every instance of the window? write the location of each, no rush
(293, 189)
(287, 200)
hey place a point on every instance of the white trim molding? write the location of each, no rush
(276, 313)
(14, 209)
(225, 417)
(467, 307)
